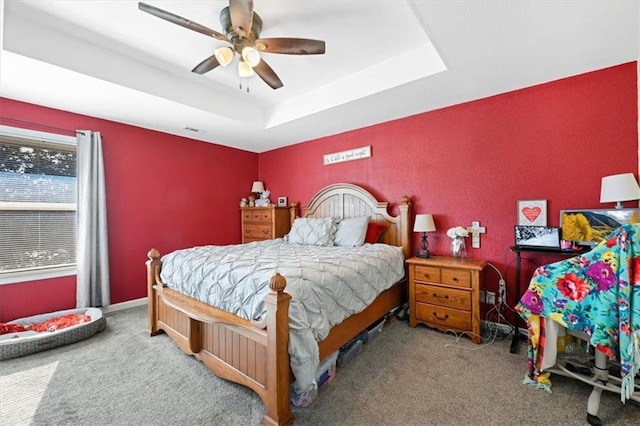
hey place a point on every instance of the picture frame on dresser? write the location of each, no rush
(282, 201)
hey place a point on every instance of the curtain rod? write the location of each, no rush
(15, 120)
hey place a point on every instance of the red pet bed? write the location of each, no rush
(25, 336)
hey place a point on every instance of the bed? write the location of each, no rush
(256, 353)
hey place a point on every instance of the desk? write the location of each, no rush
(545, 252)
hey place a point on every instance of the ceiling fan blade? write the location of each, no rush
(241, 16)
(207, 65)
(179, 20)
(291, 46)
(268, 75)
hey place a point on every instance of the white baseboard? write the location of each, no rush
(124, 305)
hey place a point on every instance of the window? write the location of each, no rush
(37, 204)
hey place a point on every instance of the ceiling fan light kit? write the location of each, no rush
(224, 55)
(245, 70)
(242, 27)
(251, 56)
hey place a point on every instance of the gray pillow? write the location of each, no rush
(313, 231)
(351, 232)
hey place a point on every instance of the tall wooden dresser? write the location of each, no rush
(264, 223)
(444, 293)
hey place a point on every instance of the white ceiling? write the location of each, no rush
(384, 60)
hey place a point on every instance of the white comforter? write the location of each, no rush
(327, 285)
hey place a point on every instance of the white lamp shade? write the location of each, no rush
(424, 223)
(251, 56)
(244, 69)
(224, 55)
(622, 187)
(257, 186)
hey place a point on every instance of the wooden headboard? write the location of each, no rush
(346, 200)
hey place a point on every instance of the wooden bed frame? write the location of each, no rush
(256, 354)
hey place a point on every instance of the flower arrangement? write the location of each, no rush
(457, 232)
(457, 235)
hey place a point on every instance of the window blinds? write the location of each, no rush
(37, 205)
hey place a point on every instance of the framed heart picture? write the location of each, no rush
(532, 212)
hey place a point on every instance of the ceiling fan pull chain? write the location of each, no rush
(246, 83)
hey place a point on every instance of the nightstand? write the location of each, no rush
(444, 293)
(264, 223)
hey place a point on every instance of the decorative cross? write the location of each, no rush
(475, 229)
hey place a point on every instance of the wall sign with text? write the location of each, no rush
(350, 155)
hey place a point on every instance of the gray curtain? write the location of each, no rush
(93, 248)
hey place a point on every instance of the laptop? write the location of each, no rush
(537, 237)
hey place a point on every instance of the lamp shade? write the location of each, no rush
(424, 223)
(257, 186)
(251, 56)
(245, 70)
(224, 55)
(616, 188)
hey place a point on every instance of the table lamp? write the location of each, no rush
(257, 188)
(424, 223)
(618, 188)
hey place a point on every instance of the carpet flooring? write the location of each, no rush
(406, 376)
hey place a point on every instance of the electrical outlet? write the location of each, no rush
(483, 296)
(491, 298)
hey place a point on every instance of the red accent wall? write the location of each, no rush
(463, 163)
(473, 161)
(163, 191)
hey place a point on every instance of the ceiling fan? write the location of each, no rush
(242, 26)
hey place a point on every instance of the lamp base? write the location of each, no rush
(422, 253)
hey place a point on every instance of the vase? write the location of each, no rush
(458, 248)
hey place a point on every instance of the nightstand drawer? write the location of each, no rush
(427, 273)
(442, 296)
(258, 231)
(460, 320)
(456, 277)
(257, 215)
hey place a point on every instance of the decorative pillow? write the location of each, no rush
(312, 231)
(374, 230)
(351, 232)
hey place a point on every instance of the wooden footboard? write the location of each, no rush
(249, 353)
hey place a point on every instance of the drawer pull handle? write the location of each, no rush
(264, 231)
(446, 316)
(426, 275)
(455, 279)
(446, 296)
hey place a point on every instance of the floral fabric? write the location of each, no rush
(597, 293)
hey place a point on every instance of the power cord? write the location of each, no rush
(502, 285)
(459, 336)
(494, 317)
